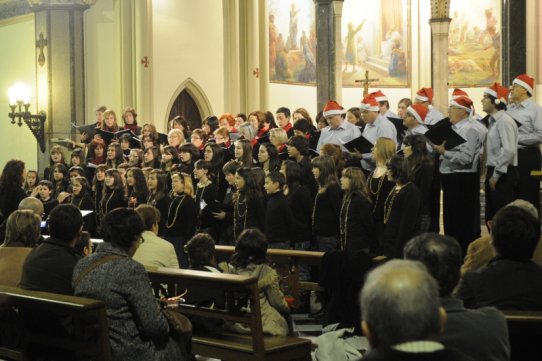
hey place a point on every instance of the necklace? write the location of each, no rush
(104, 209)
(377, 193)
(169, 225)
(388, 205)
(237, 214)
(343, 219)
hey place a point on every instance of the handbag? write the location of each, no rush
(178, 323)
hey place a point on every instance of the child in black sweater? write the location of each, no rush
(279, 220)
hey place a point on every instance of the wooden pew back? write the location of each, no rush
(89, 337)
(525, 333)
(224, 345)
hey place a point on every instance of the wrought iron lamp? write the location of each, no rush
(19, 102)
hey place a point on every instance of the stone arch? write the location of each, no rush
(197, 93)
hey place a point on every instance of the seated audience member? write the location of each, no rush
(154, 251)
(137, 329)
(402, 316)
(29, 203)
(249, 260)
(481, 334)
(49, 266)
(480, 252)
(84, 244)
(511, 281)
(22, 233)
(201, 256)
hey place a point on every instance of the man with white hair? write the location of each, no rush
(402, 316)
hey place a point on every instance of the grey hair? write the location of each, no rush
(400, 303)
(525, 205)
(247, 131)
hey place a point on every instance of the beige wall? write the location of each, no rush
(187, 43)
(102, 57)
(18, 64)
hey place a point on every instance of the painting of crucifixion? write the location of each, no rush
(376, 37)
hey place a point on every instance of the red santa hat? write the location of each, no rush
(369, 103)
(379, 96)
(462, 102)
(418, 111)
(425, 95)
(499, 92)
(525, 81)
(458, 93)
(332, 108)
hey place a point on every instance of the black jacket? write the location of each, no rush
(279, 219)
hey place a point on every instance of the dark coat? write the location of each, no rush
(505, 284)
(391, 354)
(49, 267)
(137, 329)
(481, 334)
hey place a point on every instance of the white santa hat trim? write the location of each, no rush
(415, 114)
(455, 104)
(370, 108)
(332, 112)
(523, 84)
(422, 98)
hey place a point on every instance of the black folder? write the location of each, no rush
(263, 139)
(90, 129)
(162, 139)
(108, 137)
(485, 121)
(443, 131)
(401, 129)
(360, 144)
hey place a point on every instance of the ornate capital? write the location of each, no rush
(60, 4)
(440, 9)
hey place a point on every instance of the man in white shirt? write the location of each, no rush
(384, 105)
(424, 96)
(339, 131)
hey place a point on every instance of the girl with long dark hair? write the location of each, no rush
(137, 191)
(249, 211)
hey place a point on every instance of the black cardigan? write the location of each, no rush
(301, 203)
(279, 220)
(357, 226)
(327, 206)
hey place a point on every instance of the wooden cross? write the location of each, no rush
(40, 44)
(145, 61)
(365, 82)
(256, 72)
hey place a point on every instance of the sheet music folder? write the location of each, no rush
(360, 144)
(442, 131)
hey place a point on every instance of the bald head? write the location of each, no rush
(400, 303)
(33, 204)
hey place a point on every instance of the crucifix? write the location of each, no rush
(40, 44)
(365, 82)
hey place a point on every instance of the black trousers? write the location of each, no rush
(460, 193)
(506, 191)
(529, 187)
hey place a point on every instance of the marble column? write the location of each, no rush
(60, 69)
(232, 78)
(328, 52)
(440, 26)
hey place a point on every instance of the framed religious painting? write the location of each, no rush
(474, 43)
(292, 41)
(376, 38)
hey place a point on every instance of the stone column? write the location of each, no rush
(440, 25)
(328, 52)
(514, 35)
(60, 69)
(232, 79)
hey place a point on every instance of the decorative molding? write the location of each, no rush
(9, 10)
(440, 9)
(196, 92)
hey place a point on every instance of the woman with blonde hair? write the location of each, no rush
(110, 121)
(22, 234)
(279, 138)
(378, 184)
(356, 221)
(180, 219)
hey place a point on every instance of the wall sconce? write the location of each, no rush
(19, 97)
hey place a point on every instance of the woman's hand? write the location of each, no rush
(219, 215)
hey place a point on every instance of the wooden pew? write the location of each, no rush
(225, 345)
(291, 258)
(89, 339)
(525, 333)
